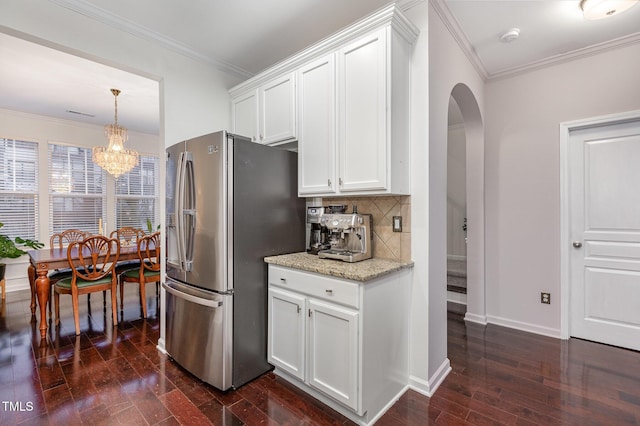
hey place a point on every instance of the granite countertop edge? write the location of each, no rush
(365, 270)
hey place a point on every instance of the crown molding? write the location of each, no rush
(595, 49)
(459, 36)
(91, 11)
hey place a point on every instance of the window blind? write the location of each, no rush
(19, 188)
(77, 190)
(137, 195)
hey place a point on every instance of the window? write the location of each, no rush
(77, 190)
(137, 195)
(19, 188)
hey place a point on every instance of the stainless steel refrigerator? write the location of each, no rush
(230, 202)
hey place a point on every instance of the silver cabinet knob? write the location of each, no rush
(577, 244)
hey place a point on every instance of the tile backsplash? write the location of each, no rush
(386, 243)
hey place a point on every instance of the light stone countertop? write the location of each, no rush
(364, 270)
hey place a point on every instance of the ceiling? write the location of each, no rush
(244, 37)
(550, 31)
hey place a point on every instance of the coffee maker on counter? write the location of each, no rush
(318, 233)
(350, 236)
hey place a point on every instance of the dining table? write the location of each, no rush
(42, 261)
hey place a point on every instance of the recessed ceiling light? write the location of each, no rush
(510, 35)
(598, 9)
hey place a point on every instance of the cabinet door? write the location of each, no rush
(316, 120)
(362, 113)
(333, 351)
(244, 115)
(286, 335)
(278, 110)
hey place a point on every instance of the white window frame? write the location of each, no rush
(140, 184)
(19, 196)
(61, 188)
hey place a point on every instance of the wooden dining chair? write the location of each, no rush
(147, 272)
(66, 237)
(62, 240)
(92, 262)
(127, 235)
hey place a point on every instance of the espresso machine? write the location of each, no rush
(318, 233)
(350, 236)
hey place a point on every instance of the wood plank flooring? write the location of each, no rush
(116, 376)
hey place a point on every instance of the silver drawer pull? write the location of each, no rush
(329, 291)
(283, 280)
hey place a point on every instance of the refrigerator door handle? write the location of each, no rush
(189, 211)
(173, 289)
(183, 207)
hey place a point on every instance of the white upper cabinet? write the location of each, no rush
(346, 100)
(267, 114)
(362, 114)
(316, 118)
(278, 109)
(244, 115)
(370, 154)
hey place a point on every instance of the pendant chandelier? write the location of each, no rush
(114, 158)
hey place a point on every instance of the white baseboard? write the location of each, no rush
(455, 297)
(456, 257)
(524, 326)
(478, 319)
(427, 388)
(388, 406)
(161, 346)
(17, 284)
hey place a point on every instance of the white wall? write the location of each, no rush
(419, 372)
(523, 114)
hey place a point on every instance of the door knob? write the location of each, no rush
(577, 244)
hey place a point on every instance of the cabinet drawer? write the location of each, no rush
(318, 286)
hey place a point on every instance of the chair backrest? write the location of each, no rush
(127, 235)
(93, 258)
(149, 252)
(64, 238)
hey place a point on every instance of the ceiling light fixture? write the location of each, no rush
(598, 9)
(114, 158)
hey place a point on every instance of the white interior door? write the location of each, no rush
(604, 179)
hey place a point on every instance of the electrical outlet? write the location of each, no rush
(397, 224)
(545, 298)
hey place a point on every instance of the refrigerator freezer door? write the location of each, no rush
(172, 181)
(198, 336)
(196, 230)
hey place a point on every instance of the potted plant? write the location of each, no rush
(9, 249)
(150, 227)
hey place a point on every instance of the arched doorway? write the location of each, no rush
(456, 211)
(465, 100)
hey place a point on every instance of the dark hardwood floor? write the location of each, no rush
(116, 376)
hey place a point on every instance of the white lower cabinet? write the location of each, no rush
(342, 341)
(333, 351)
(287, 331)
